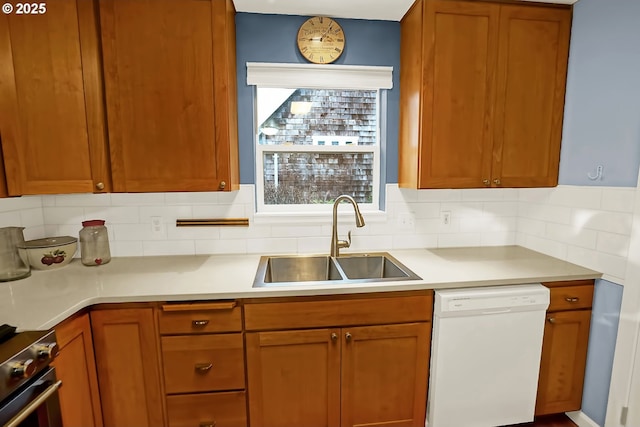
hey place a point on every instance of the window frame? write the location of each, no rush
(314, 76)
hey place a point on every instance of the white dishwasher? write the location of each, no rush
(485, 356)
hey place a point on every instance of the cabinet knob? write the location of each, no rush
(21, 370)
(572, 299)
(347, 336)
(203, 368)
(551, 320)
(486, 182)
(334, 336)
(199, 323)
(100, 186)
(223, 185)
(208, 424)
(47, 351)
(497, 181)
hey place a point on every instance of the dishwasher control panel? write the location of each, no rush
(498, 299)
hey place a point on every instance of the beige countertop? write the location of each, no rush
(48, 297)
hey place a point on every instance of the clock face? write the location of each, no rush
(321, 40)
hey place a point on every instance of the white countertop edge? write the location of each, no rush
(47, 298)
(298, 291)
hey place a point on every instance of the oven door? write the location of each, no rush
(36, 404)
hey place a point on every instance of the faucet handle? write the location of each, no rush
(345, 243)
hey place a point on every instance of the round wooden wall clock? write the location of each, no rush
(321, 40)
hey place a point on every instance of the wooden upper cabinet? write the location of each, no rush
(460, 51)
(481, 94)
(532, 72)
(171, 94)
(3, 178)
(51, 105)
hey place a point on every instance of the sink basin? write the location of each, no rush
(321, 269)
(300, 269)
(370, 266)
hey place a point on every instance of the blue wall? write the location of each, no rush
(602, 342)
(272, 38)
(602, 127)
(602, 106)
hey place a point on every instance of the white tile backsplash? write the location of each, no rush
(169, 247)
(589, 226)
(586, 225)
(222, 246)
(115, 214)
(571, 235)
(459, 239)
(81, 200)
(64, 215)
(618, 199)
(613, 244)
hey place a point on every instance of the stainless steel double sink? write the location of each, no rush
(324, 269)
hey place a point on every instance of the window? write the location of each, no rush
(316, 141)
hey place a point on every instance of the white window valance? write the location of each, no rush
(317, 76)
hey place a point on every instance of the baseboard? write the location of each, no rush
(582, 419)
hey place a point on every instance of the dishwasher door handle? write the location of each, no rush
(505, 310)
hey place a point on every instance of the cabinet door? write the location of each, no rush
(564, 355)
(51, 104)
(532, 68)
(168, 87)
(3, 177)
(76, 367)
(127, 348)
(384, 375)
(460, 45)
(294, 378)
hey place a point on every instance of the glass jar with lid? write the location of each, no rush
(94, 243)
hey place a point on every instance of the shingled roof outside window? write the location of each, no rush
(314, 157)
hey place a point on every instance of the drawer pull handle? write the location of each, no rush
(572, 299)
(226, 305)
(211, 424)
(199, 323)
(203, 368)
(551, 320)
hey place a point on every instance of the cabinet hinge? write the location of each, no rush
(623, 415)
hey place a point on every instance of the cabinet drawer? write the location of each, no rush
(199, 318)
(571, 297)
(338, 312)
(216, 409)
(199, 363)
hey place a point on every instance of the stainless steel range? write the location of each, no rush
(28, 384)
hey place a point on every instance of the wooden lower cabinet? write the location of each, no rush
(564, 358)
(294, 378)
(75, 366)
(374, 375)
(226, 409)
(127, 356)
(203, 371)
(384, 375)
(564, 347)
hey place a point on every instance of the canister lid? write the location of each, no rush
(92, 222)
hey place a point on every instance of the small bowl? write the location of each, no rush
(49, 253)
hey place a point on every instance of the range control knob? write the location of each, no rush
(47, 351)
(22, 370)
